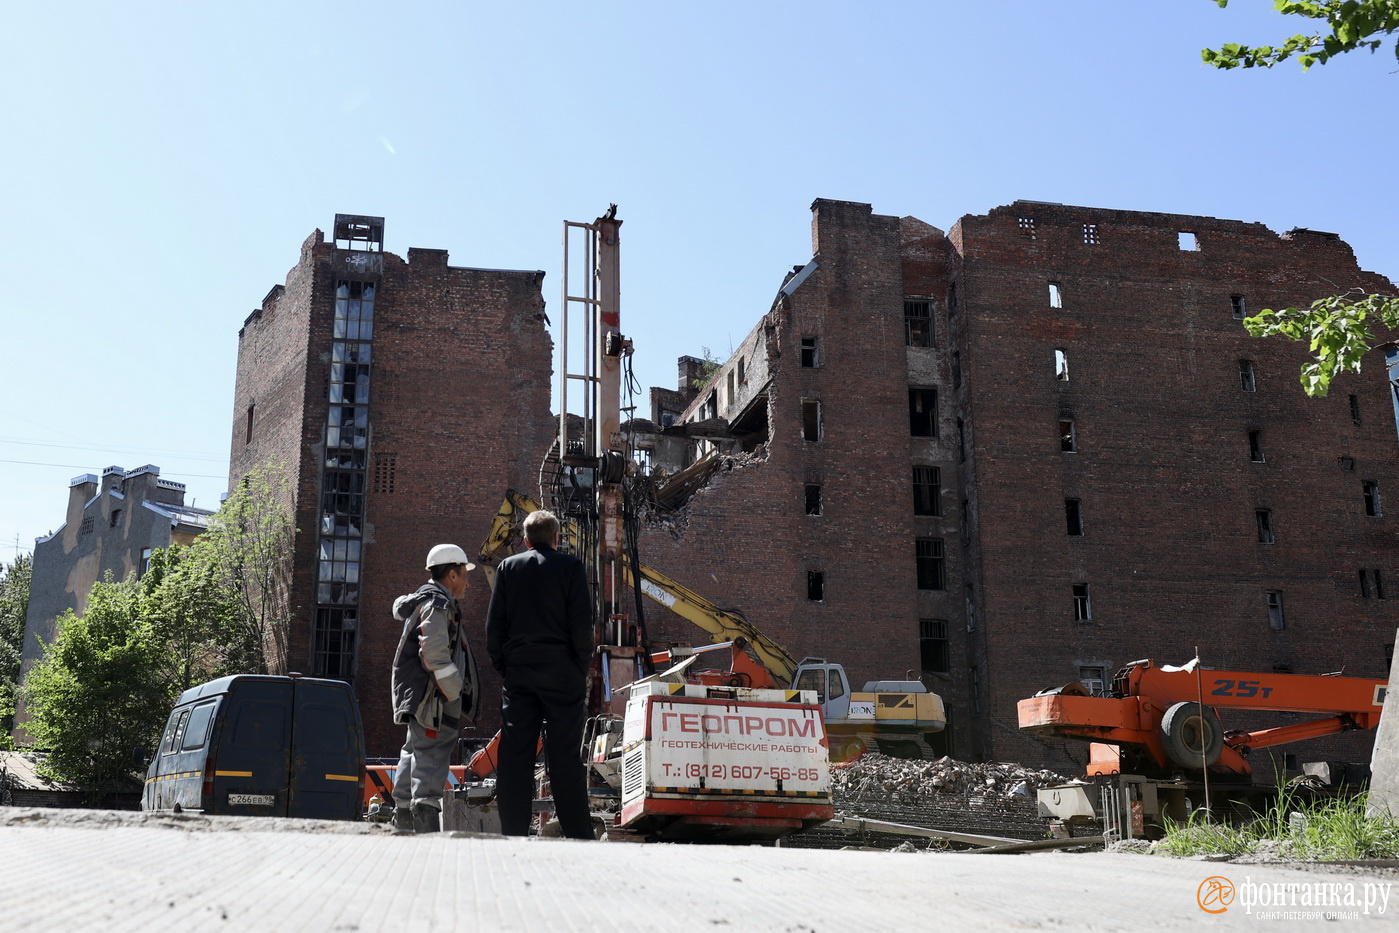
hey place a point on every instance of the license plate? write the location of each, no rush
(251, 800)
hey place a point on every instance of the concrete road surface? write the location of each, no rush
(104, 871)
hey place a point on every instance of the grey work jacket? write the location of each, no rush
(434, 673)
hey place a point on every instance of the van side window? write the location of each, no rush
(177, 734)
(169, 733)
(198, 729)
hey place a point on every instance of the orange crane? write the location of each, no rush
(1153, 719)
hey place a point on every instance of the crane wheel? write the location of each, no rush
(1192, 735)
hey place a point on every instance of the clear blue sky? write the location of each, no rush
(163, 161)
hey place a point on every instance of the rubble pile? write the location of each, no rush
(876, 778)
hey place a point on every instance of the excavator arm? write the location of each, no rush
(722, 625)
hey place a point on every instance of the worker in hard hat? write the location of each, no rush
(539, 634)
(434, 686)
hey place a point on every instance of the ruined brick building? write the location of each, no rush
(1033, 449)
(402, 398)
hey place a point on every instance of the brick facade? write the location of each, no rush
(1173, 457)
(458, 412)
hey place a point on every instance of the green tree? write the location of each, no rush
(1338, 330)
(14, 605)
(1351, 25)
(247, 552)
(105, 685)
(1341, 329)
(97, 695)
(196, 621)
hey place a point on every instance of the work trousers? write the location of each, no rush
(532, 696)
(422, 766)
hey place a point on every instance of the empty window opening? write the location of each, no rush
(927, 490)
(956, 369)
(951, 298)
(932, 564)
(1027, 227)
(1239, 308)
(742, 371)
(933, 646)
(923, 412)
(1061, 365)
(1092, 676)
(1347, 464)
(964, 522)
(1073, 517)
(1255, 446)
(918, 322)
(815, 585)
(1371, 586)
(1276, 620)
(116, 517)
(1068, 439)
(1090, 234)
(813, 499)
(1083, 606)
(810, 359)
(733, 377)
(1264, 520)
(1371, 490)
(248, 433)
(1248, 379)
(1188, 241)
(974, 687)
(811, 420)
(967, 600)
(1355, 408)
(1056, 298)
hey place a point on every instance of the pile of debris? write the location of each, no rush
(876, 778)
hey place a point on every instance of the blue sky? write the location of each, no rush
(163, 162)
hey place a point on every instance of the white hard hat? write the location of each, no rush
(447, 554)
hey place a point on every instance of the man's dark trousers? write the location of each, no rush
(545, 689)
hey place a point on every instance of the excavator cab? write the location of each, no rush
(828, 682)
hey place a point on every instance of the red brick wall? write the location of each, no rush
(460, 383)
(1163, 471)
(748, 543)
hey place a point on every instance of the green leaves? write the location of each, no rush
(104, 687)
(14, 605)
(1337, 331)
(1353, 24)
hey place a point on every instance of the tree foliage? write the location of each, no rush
(96, 697)
(1351, 25)
(14, 605)
(247, 553)
(1339, 331)
(217, 607)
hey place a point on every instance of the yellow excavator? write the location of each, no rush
(897, 717)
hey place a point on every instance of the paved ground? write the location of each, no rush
(99, 870)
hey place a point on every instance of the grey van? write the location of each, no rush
(261, 745)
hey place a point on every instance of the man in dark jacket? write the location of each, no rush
(539, 633)
(434, 683)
